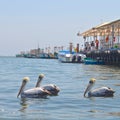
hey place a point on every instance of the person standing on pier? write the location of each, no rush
(92, 45)
(97, 43)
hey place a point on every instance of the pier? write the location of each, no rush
(103, 42)
(110, 57)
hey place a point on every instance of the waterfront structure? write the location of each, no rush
(39, 53)
(104, 36)
(103, 42)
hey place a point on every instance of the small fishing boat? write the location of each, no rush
(90, 61)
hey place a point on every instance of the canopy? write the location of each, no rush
(107, 28)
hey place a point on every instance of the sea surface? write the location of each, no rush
(72, 79)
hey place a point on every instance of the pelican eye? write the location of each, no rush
(90, 81)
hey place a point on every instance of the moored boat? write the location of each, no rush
(71, 57)
(91, 61)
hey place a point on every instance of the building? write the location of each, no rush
(103, 42)
(104, 36)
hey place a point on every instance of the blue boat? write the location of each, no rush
(91, 61)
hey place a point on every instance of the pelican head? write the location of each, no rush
(90, 85)
(41, 76)
(24, 81)
(92, 80)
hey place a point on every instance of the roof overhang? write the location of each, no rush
(103, 29)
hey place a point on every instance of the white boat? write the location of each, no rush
(71, 57)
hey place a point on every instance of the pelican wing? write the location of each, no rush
(34, 93)
(51, 88)
(101, 92)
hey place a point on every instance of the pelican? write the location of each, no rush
(32, 93)
(99, 92)
(53, 89)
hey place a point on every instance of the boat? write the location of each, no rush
(66, 56)
(91, 61)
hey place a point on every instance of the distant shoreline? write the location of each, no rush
(6, 56)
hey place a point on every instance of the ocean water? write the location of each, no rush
(70, 103)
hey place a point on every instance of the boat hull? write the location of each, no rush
(67, 57)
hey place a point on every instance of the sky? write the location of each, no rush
(25, 24)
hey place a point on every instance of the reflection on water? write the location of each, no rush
(24, 104)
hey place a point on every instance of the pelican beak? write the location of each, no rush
(88, 88)
(21, 88)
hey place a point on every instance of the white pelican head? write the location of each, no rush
(41, 76)
(24, 81)
(90, 85)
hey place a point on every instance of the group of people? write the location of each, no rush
(93, 45)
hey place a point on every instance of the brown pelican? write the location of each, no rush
(32, 93)
(99, 92)
(53, 89)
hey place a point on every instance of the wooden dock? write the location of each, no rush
(109, 57)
